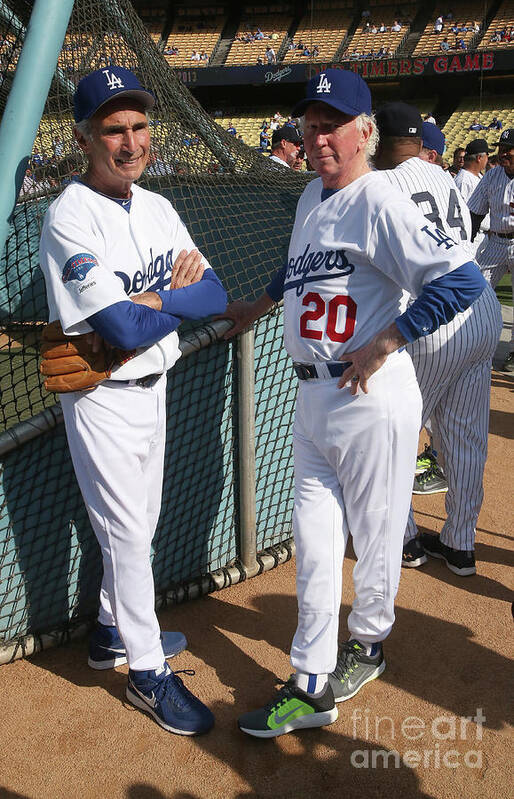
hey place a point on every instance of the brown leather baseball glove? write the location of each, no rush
(70, 363)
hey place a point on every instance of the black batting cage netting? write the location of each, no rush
(239, 208)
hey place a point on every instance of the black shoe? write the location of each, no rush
(459, 561)
(290, 709)
(508, 364)
(413, 554)
(432, 481)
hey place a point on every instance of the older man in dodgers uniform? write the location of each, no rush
(357, 243)
(118, 261)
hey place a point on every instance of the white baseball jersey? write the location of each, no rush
(278, 160)
(346, 270)
(434, 192)
(466, 183)
(87, 268)
(495, 193)
(453, 364)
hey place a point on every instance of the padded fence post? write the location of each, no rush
(26, 101)
(247, 502)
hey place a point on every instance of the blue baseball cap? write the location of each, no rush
(433, 138)
(103, 85)
(341, 89)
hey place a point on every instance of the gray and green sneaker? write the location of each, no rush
(425, 460)
(354, 669)
(290, 709)
(432, 481)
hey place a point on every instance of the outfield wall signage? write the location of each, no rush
(385, 69)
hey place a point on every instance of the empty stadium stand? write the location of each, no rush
(368, 39)
(273, 24)
(500, 32)
(467, 23)
(469, 109)
(323, 29)
(154, 19)
(194, 31)
(9, 52)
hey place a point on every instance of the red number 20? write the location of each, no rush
(320, 309)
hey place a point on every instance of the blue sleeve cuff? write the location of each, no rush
(128, 326)
(441, 300)
(201, 299)
(275, 289)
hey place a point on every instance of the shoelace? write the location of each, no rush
(346, 662)
(432, 471)
(173, 687)
(427, 456)
(282, 695)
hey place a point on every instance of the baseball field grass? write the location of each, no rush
(504, 290)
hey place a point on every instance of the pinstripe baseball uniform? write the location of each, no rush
(453, 365)
(495, 193)
(466, 183)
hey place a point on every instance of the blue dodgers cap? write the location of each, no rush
(340, 88)
(99, 87)
(433, 138)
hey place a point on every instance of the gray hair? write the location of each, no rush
(468, 158)
(85, 129)
(363, 121)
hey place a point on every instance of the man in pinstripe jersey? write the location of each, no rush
(495, 193)
(453, 365)
(475, 162)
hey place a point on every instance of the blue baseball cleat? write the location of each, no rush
(106, 649)
(165, 697)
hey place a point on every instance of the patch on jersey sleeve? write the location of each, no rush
(77, 267)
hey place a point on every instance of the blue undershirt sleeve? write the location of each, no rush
(440, 300)
(275, 289)
(128, 325)
(204, 298)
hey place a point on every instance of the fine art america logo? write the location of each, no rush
(276, 77)
(446, 741)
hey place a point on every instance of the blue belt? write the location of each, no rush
(308, 371)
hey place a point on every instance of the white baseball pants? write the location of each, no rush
(453, 367)
(354, 461)
(116, 435)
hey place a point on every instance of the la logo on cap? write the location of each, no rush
(323, 85)
(113, 81)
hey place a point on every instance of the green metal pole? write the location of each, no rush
(247, 469)
(26, 101)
